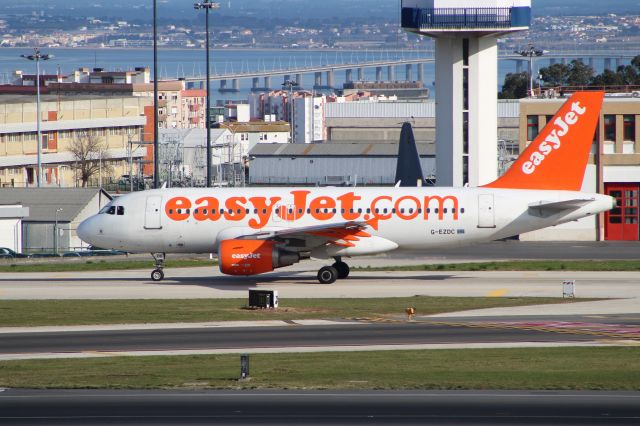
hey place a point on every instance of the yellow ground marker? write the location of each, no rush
(497, 293)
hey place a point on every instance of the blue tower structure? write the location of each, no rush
(466, 36)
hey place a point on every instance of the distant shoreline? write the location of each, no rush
(234, 49)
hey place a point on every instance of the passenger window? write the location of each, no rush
(120, 210)
(462, 210)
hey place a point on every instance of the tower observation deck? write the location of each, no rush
(466, 34)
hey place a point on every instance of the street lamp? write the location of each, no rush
(289, 84)
(37, 57)
(530, 52)
(207, 5)
(55, 231)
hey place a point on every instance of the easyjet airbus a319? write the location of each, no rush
(256, 230)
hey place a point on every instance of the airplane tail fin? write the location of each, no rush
(408, 169)
(558, 157)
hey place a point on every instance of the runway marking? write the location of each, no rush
(619, 331)
(497, 293)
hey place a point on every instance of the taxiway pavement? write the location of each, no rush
(75, 407)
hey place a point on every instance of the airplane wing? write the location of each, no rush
(305, 238)
(548, 208)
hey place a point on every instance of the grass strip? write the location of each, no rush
(615, 368)
(101, 265)
(518, 265)
(513, 265)
(27, 313)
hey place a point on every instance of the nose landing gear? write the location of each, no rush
(158, 273)
(329, 274)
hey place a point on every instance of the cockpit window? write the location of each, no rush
(111, 210)
(120, 210)
(105, 209)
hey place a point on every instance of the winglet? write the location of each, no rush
(558, 157)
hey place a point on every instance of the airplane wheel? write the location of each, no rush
(342, 268)
(157, 275)
(327, 275)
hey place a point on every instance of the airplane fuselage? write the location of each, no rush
(196, 220)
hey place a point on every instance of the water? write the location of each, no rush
(174, 63)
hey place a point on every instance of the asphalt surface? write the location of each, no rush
(359, 334)
(318, 408)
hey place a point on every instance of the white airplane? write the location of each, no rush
(256, 230)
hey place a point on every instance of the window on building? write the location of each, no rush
(45, 140)
(610, 127)
(532, 127)
(629, 127)
(15, 137)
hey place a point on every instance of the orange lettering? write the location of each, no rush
(374, 204)
(264, 211)
(235, 209)
(208, 211)
(175, 204)
(415, 207)
(441, 201)
(318, 205)
(346, 204)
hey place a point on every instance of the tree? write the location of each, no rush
(89, 154)
(555, 75)
(579, 73)
(608, 78)
(515, 86)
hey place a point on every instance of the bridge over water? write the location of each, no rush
(385, 69)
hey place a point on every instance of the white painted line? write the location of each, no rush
(167, 326)
(311, 349)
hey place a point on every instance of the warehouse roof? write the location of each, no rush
(43, 202)
(336, 149)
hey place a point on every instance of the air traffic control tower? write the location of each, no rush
(466, 35)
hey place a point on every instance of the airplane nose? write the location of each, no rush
(84, 230)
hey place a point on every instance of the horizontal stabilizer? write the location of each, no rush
(547, 208)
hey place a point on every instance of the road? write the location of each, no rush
(76, 407)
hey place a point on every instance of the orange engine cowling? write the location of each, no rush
(252, 257)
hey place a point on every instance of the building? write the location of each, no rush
(116, 123)
(466, 54)
(614, 167)
(183, 156)
(381, 120)
(11, 216)
(344, 163)
(52, 215)
(178, 107)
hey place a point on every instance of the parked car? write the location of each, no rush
(40, 255)
(7, 253)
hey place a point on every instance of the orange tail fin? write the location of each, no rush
(557, 158)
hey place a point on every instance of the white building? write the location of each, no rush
(11, 226)
(308, 119)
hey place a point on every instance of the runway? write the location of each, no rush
(297, 337)
(318, 408)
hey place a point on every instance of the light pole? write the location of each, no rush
(55, 231)
(156, 161)
(530, 52)
(289, 84)
(37, 57)
(207, 5)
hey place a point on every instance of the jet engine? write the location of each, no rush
(252, 257)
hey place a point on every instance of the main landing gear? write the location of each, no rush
(158, 274)
(329, 274)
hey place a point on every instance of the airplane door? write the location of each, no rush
(152, 212)
(486, 213)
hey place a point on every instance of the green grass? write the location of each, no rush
(101, 265)
(519, 265)
(541, 368)
(15, 313)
